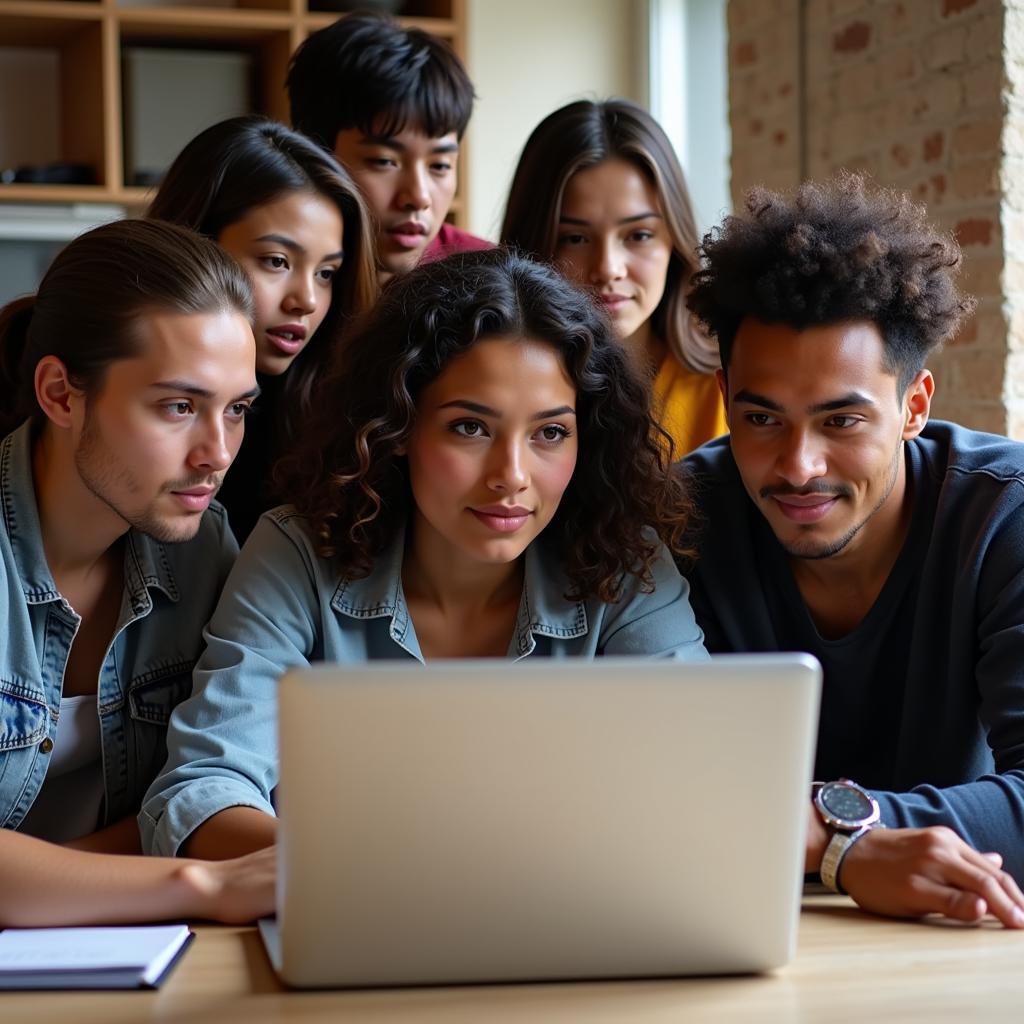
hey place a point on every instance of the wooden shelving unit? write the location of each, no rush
(88, 36)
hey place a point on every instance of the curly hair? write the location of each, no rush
(348, 475)
(830, 253)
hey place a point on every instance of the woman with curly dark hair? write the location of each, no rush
(480, 477)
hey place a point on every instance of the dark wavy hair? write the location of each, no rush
(585, 134)
(246, 162)
(833, 252)
(94, 295)
(367, 71)
(348, 478)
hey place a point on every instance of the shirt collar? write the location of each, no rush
(146, 562)
(543, 609)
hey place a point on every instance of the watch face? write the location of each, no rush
(846, 803)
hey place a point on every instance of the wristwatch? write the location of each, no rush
(849, 813)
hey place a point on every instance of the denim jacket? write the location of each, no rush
(169, 594)
(284, 605)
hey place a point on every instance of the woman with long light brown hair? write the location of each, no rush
(600, 193)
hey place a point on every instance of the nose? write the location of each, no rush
(507, 472)
(608, 263)
(300, 298)
(413, 192)
(215, 446)
(802, 459)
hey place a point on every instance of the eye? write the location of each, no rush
(380, 162)
(274, 262)
(441, 167)
(843, 422)
(760, 419)
(553, 433)
(326, 274)
(468, 428)
(573, 238)
(641, 235)
(177, 410)
(239, 410)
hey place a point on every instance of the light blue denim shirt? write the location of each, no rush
(169, 594)
(284, 605)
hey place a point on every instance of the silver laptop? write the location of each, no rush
(482, 821)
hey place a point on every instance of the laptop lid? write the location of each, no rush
(473, 821)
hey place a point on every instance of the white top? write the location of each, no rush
(68, 805)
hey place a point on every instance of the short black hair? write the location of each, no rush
(368, 72)
(829, 253)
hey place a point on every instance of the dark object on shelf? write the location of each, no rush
(52, 174)
(379, 6)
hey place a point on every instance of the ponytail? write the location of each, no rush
(90, 300)
(15, 319)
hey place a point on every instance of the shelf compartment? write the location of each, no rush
(67, 116)
(284, 6)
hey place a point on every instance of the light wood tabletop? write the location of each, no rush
(850, 966)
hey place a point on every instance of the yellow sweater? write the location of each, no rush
(688, 406)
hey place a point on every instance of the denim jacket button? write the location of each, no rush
(46, 745)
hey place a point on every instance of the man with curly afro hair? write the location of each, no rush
(837, 520)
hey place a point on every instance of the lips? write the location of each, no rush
(502, 518)
(805, 508)
(408, 234)
(195, 499)
(289, 338)
(612, 301)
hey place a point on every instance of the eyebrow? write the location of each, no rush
(293, 246)
(648, 215)
(486, 410)
(392, 143)
(851, 398)
(183, 387)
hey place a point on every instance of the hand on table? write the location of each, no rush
(235, 891)
(910, 872)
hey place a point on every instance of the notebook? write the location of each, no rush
(485, 821)
(81, 958)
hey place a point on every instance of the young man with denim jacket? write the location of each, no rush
(129, 375)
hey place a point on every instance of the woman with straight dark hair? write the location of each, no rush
(123, 390)
(294, 220)
(494, 486)
(599, 191)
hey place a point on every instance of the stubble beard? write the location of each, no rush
(811, 553)
(105, 477)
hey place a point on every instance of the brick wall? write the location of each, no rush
(919, 94)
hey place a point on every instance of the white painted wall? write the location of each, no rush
(690, 96)
(530, 57)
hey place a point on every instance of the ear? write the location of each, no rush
(56, 395)
(917, 403)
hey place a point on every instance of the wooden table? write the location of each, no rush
(849, 967)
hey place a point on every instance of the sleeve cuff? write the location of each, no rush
(184, 812)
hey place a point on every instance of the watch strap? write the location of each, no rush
(835, 853)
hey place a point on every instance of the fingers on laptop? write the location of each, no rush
(913, 872)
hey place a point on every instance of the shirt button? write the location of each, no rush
(47, 745)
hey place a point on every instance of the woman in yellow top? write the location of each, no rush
(599, 191)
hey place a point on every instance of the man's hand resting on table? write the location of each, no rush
(909, 872)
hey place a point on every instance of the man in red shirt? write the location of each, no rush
(393, 105)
